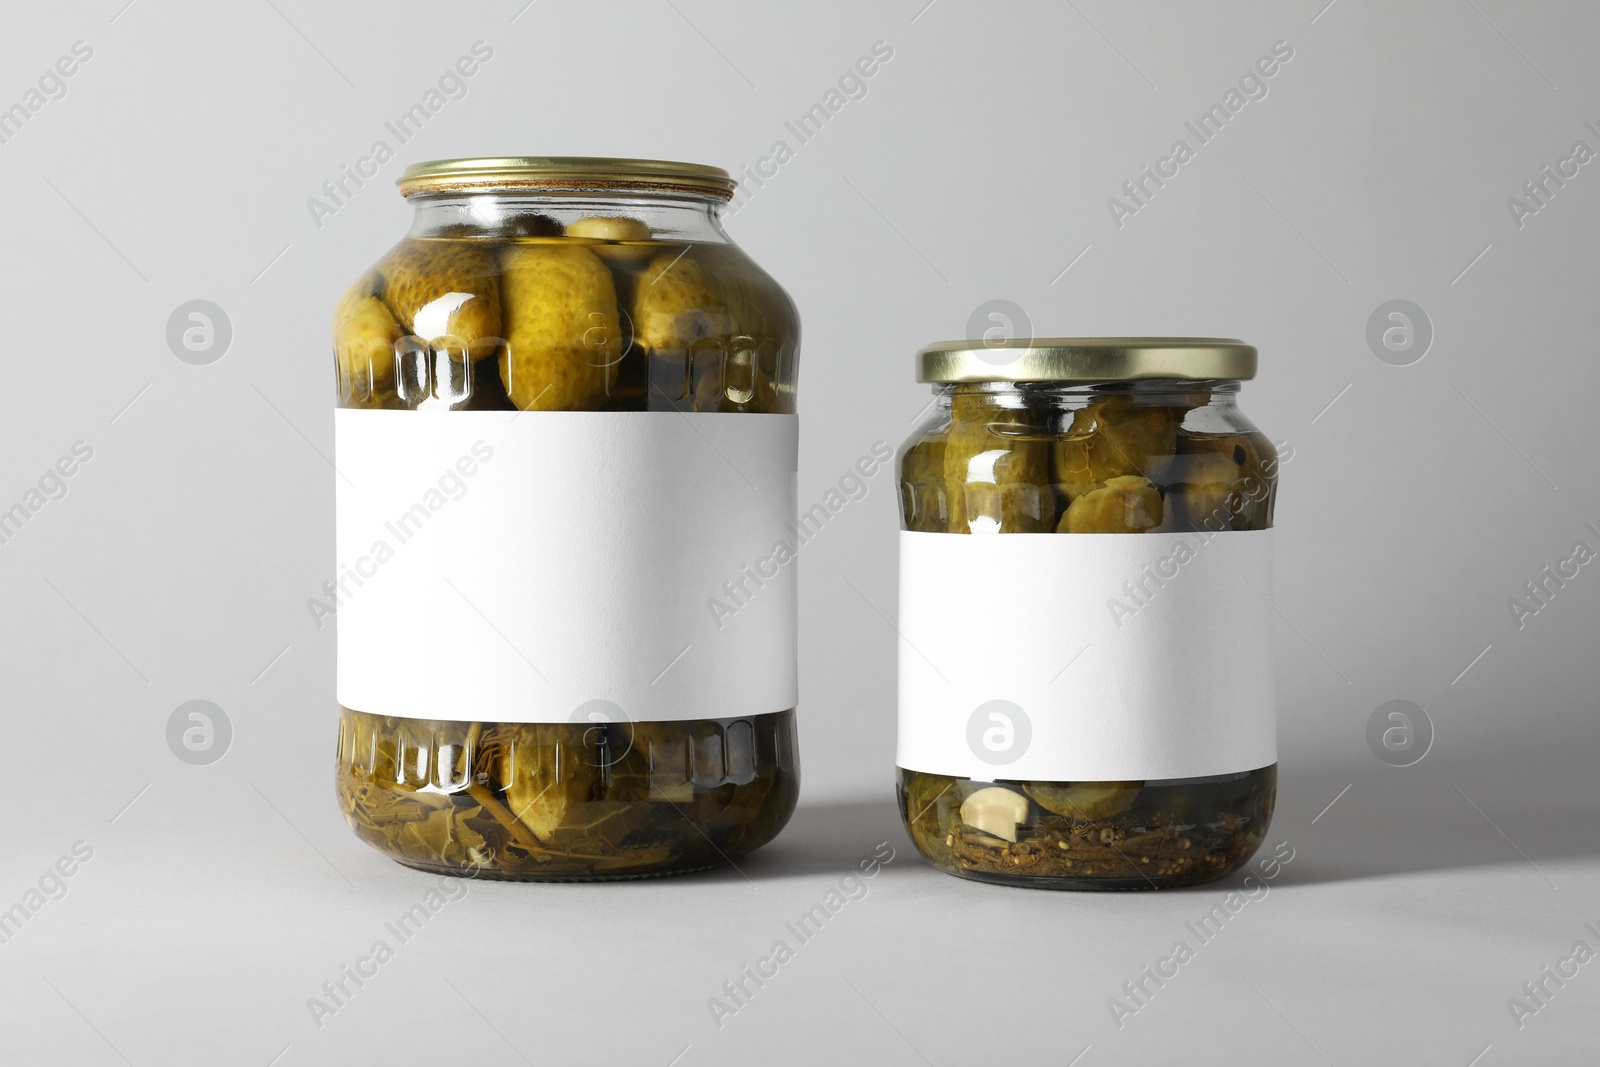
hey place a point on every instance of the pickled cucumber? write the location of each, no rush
(532, 762)
(1224, 481)
(447, 292)
(1086, 801)
(924, 500)
(1112, 437)
(755, 375)
(681, 319)
(996, 470)
(563, 339)
(608, 228)
(619, 240)
(364, 336)
(1129, 504)
(531, 224)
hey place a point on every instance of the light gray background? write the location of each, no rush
(978, 166)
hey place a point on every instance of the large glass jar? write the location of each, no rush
(571, 374)
(1086, 699)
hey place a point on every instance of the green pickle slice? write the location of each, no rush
(1111, 437)
(1126, 504)
(1119, 463)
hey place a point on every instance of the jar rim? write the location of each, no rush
(1086, 359)
(592, 174)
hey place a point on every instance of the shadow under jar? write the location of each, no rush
(1094, 710)
(554, 396)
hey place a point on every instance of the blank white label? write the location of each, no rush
(520, 567)
(1086, 657)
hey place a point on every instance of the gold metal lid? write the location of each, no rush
(1086, 359)
(576, 173)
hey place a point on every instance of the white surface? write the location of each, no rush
(978, 165)
(1086, 657)
(498, 584)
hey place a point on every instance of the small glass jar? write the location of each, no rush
(556, 395)
(1092, 711)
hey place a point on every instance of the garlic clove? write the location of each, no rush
(995, 811)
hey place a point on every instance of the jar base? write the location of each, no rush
(492, 875)
(1091, 885)
(559, 802)
(1091, 836)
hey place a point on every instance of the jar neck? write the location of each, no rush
(1222, 392)
(508, 213)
